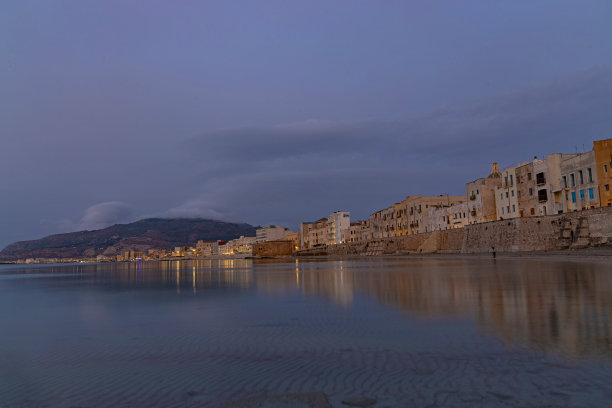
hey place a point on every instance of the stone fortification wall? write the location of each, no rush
(579, 229)
(273, 248)
(451, 241)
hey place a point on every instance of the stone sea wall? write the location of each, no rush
(581, 229)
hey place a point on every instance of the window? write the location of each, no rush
(518, 179)
(573, 196)
(542, 195)
(532, 211)
(512, 193)
(528, 176)
(590, 175)
(607, 187)
(513, 208)
(581, 176)
(530, 191)
(591, 194)
(501, 196)
(506, 194)
(477, 192)
(502, 210)
(511, 180)
(540, 178)
(582, 194)
(506, 181)
(573, 179)
(508, 209)
(605, 168)
(566, 197)
(565, 181)
(518, 193)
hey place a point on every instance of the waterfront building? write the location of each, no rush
(443, 217)
(313, 234)
(382, 224)
(294, 237)
(481, 197)
(579, 182)
(603, 163)
(526, 190)
(271, 233)
(242, 245)
(207, 248)
(338, 225)
(418, 213)
(506, 197)
(359, 231)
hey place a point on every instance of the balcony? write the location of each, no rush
(540, 179)
(542, 196)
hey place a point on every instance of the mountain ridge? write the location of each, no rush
(141, 235)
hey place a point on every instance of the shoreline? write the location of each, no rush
(593, 254)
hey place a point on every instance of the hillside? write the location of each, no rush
(140, 235)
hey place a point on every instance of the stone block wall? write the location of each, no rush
(451, 241)
(578, 229)
(273, 248)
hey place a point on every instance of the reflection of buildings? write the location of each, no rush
(550, 305)
(561, 306)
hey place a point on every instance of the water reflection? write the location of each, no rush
(553, 306)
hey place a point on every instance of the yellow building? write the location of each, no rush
(603, 162)
(313, 234)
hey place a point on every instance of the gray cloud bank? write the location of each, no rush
(295, 171)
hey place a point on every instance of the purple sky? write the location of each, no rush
(281, 111)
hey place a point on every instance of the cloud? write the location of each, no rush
(105, 214)
(295, 171)
(289, 172)
(548, 114)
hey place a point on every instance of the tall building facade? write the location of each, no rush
(603, 163)
(338, 225)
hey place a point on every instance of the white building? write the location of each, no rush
(506, 196)
(338, 225)
(271, 233)
(579, 181)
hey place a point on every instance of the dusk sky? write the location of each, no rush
(274, 112)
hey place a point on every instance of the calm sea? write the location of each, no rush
(422, 332)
